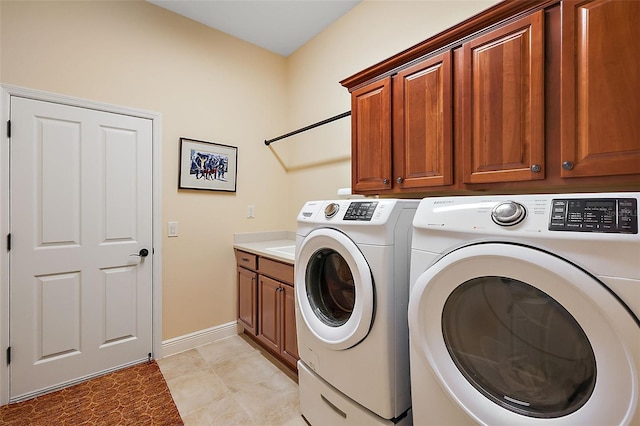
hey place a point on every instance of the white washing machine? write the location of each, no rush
(524, 310)
(352, 292)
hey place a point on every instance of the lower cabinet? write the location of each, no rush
(248, 300)
(289, 341)
(276, 318)
(266, 305)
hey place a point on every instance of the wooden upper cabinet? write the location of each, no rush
(503, 103)
(371, 136)
(422, 124)
(600, 88)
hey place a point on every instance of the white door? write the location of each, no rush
(334, 289)
(80, 213)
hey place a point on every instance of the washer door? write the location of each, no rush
(334, 289)
(516, 335)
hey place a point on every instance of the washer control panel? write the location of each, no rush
(360, 210)
(617, 215)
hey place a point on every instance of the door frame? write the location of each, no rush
(6, 92)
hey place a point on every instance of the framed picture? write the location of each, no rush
(207, 165)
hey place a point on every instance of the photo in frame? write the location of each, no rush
(207, 165)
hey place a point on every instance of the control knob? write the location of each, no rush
(508, 213)
(331, 210)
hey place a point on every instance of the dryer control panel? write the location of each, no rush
(618, 215)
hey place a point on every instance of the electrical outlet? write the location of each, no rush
(172, 229)
(251, 211)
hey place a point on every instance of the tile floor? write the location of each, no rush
(231, 382)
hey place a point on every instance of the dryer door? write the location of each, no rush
(334, 289)
(518, 336)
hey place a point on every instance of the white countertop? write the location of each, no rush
(275, 245)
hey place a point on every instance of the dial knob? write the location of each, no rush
(331, 210)
(508, 213)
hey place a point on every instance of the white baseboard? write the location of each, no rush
(198, 338)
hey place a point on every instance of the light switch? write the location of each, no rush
(250, 211)
(172, 229)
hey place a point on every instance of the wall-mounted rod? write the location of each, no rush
(309, 127)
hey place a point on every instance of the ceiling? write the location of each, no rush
(281, 26)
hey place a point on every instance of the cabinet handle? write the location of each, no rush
(399, 180)
(245, 259)
(385, 181)
(535, 168)
(567, 165)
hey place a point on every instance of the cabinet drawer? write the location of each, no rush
(247, 260)
(277, 270)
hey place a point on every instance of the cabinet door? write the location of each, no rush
(269, 312)
(503, 103)
(422, 126)
(600, 88)
(247, 299)
(371, 136)
(289, 343)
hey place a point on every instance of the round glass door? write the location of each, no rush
(331, 290)
(519, 347)
(518, 336)
(334, 289)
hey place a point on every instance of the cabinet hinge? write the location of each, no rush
(8, 242)
(9, 128)
(9, 355)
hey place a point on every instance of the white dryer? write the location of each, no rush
(352, 292)
(524, 310)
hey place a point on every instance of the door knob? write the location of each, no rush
(142, 253)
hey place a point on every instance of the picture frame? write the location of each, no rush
(207, 165)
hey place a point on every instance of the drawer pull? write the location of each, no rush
(245, 259)
(336, 409)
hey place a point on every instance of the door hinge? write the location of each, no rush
(9, 355)
(9, 128)
(8, 242)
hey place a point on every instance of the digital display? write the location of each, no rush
(608, 204)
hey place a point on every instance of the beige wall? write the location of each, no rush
(207, 85)
(211, 86)
(369, 33)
